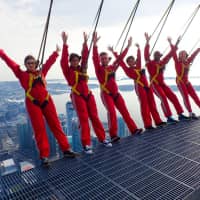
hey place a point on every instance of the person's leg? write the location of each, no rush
(164, 103)
(82, 113)
(39, 129)
(111, 112)
(193, 93)
(183, 90)
(153, 107)
(96, 123)
(144, 106)
(173, 98)
(121, 106)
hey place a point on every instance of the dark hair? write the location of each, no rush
(74, 55)
(129, 58)
(103, 54)
(28, 58)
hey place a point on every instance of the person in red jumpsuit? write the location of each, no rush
(110, 95)
(39, 103)
(82, 98)
(182, 66)
(144, 92)
(156, 69)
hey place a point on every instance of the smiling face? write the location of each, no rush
(131, 61)
(157, 55)
(30, 63)
(104, 59)
(74, 60)
(183, 55)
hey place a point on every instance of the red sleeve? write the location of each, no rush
(51, 60)
(11, 64)
(119, 60)
(84, 60)
(64, 60)
(174, 54)
(138, 61)
(146, 53)
(192, 57)
(95, 58)
(166, 59)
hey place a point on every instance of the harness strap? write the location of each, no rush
(29, 96)
(138, 77)
(154, 78)
(103, 86)
(180, 77)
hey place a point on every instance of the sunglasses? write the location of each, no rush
(31, 63)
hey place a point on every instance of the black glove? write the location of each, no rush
(142, 72)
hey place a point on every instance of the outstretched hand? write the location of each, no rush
(58, 49)
(137, 45)
(169, 39)
(147, 36)
(111, 49)
(64, 37)
(95, 38)
(85, 36)
(130, 40)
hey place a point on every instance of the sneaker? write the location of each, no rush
(182, 117)
(149, 128)
(193, 116)
(107, 143)
(115, 139)
(88, 150)
(171, 120)
(45, 162)
(137, 131)
(70, 154)
(161, 124)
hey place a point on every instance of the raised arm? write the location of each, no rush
(174, 49)
(146, 49)
(11, 64)
(51, 60)
(65, 55)
(120, 58)
(85, 54)
(95, 55)
(193, 55)
(121, 63)
(138, 60)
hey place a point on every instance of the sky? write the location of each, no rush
(22, 24)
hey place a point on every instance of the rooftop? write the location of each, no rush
(163, 164)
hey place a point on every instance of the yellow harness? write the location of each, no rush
(154, 79)
(180, 77)
(138, 77)
(32, 78)
(103, 85)
(74, 87)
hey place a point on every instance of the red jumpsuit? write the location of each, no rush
(36, 113)
(110, 95)
(82, 98)
(144, 92)
(156, 71)
(184, 85)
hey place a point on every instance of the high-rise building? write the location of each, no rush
(76, 141)
(71, 113)
(122, 128)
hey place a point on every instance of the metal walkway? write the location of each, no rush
(162, 164)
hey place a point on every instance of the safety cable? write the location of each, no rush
(164, 17)
(128, 21)
(130, 25)
(44, 38)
